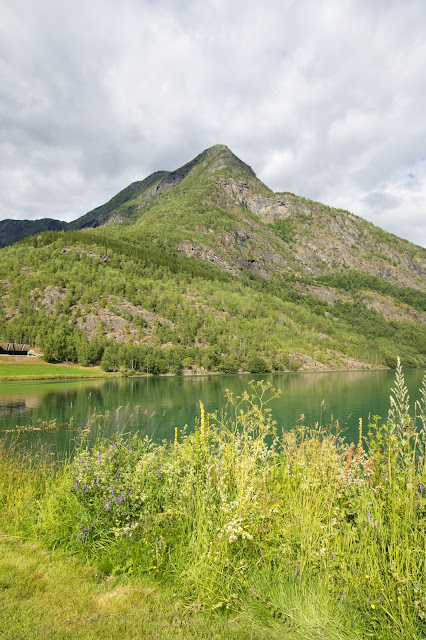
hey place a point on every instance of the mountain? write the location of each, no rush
(206, 268)
(110, 212)
(13, 230)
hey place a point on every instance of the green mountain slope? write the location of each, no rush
(118, 208)
(205, 268)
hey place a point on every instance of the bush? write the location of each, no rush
(256, 364)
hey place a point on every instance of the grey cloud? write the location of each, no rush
(323, 99)
(381, 201)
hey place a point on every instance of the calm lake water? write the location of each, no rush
(155, 406)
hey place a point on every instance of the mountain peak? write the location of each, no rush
(216, 158)
(222, 155)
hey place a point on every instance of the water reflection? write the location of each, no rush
(154, 406)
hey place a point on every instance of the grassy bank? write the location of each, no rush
(44, 595)
(36, 370)
(297, 533)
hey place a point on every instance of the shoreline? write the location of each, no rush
(193, 374)
(46, 370)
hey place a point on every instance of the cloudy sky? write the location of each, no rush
(324, 98)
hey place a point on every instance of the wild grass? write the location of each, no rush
(43, 595)
(299, 532)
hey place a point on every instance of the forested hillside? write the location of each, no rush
(206, 269)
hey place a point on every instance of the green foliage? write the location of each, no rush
(256, 364)
(284, 229)
(353, 280)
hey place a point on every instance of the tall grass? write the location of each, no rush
(301, 530)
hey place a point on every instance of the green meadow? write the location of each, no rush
(45, 371)
(233, 531)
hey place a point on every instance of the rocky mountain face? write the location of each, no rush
(270, 233)
(239, 224)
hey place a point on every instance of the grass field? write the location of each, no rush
(44, 595)
(34, 369)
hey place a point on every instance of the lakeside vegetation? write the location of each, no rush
(297, 533)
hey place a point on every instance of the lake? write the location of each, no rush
(155, 406)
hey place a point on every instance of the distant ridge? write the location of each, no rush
(13, 230)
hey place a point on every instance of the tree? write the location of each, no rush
(256, 364)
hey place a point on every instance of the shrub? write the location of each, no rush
(256, 364)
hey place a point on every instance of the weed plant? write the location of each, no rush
(300, 531)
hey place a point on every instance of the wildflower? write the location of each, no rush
(373, 606)
(360, 438)
(421, 487)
